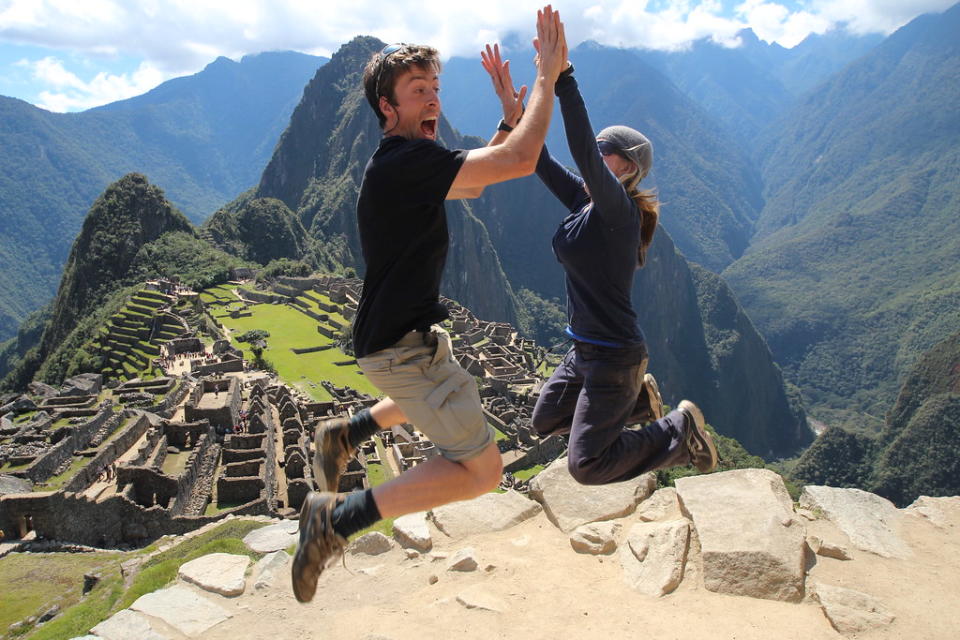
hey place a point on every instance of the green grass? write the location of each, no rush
(32, 583)
(109, 596)
(526, 474)
(289, 328)
(500, 435)
(377, 474)
(175, 463)
(162, 569)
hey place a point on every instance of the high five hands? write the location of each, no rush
(510, 99)
(551, 59)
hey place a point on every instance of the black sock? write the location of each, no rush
(362, 427)
(357, 512)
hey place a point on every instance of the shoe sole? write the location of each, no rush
(700, 438)
(306, 561)
(653, 391)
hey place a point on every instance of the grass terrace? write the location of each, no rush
(288, 329)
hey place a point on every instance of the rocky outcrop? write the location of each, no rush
(751, 542)
(489, 512)
(872, 523)
(570, 504)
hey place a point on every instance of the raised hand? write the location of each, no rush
(510, 99)
(550, 43)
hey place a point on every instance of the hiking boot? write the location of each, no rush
(319, 543)
(653, 397)
(331, 452)
(699, 443)
(649, 405)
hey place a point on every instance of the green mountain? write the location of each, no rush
(258, 229)
(853, 271)
(918, 453)
(203, 138)
(131, 234)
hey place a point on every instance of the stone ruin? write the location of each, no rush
(189, 450)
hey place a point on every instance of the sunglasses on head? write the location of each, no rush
(607, 148)
(385, 53)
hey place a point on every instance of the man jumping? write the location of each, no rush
(399, 344)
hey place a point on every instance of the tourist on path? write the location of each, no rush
(396, 334)
(593, 393)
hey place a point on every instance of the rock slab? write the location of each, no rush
(569, 504)
(183, 609)
(127, 625)
(486, 514)
(654, 555)
(871, 523)
(221, 573)
(751, 542)
(852, 611)
(273, 537)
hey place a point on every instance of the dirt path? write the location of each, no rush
(546, 590)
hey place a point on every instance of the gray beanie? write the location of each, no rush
(632, 144)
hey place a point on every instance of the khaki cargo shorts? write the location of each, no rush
(437, 395)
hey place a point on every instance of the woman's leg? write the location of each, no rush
(601, 449)
(553, 413)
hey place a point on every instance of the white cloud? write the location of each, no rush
(67, 92)
(177, 37)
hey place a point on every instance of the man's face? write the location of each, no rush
(417, 108)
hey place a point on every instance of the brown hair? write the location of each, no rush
(381, 73)
(649, 207)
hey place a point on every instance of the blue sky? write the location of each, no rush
(70, 55)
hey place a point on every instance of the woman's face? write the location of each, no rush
(617, 164)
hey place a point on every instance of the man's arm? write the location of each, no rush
(511, 101)
(517, 155)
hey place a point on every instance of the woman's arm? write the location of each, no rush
(610, 199)
(565, 185)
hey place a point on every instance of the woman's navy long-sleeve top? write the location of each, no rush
(597, 243)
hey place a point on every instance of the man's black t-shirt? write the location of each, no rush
(403, 234)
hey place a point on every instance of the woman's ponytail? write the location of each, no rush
(649, 208)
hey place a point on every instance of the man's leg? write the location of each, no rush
(427, 387)
(439, 481)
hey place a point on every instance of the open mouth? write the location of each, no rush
(429, 127)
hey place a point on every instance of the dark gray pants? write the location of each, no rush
(590, 396)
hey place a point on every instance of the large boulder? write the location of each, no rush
(490, 512)
(569, 504)
(871, 523)
(84, 384)
(751, 543)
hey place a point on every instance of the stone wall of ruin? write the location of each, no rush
(47, 464)
(109, 453)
